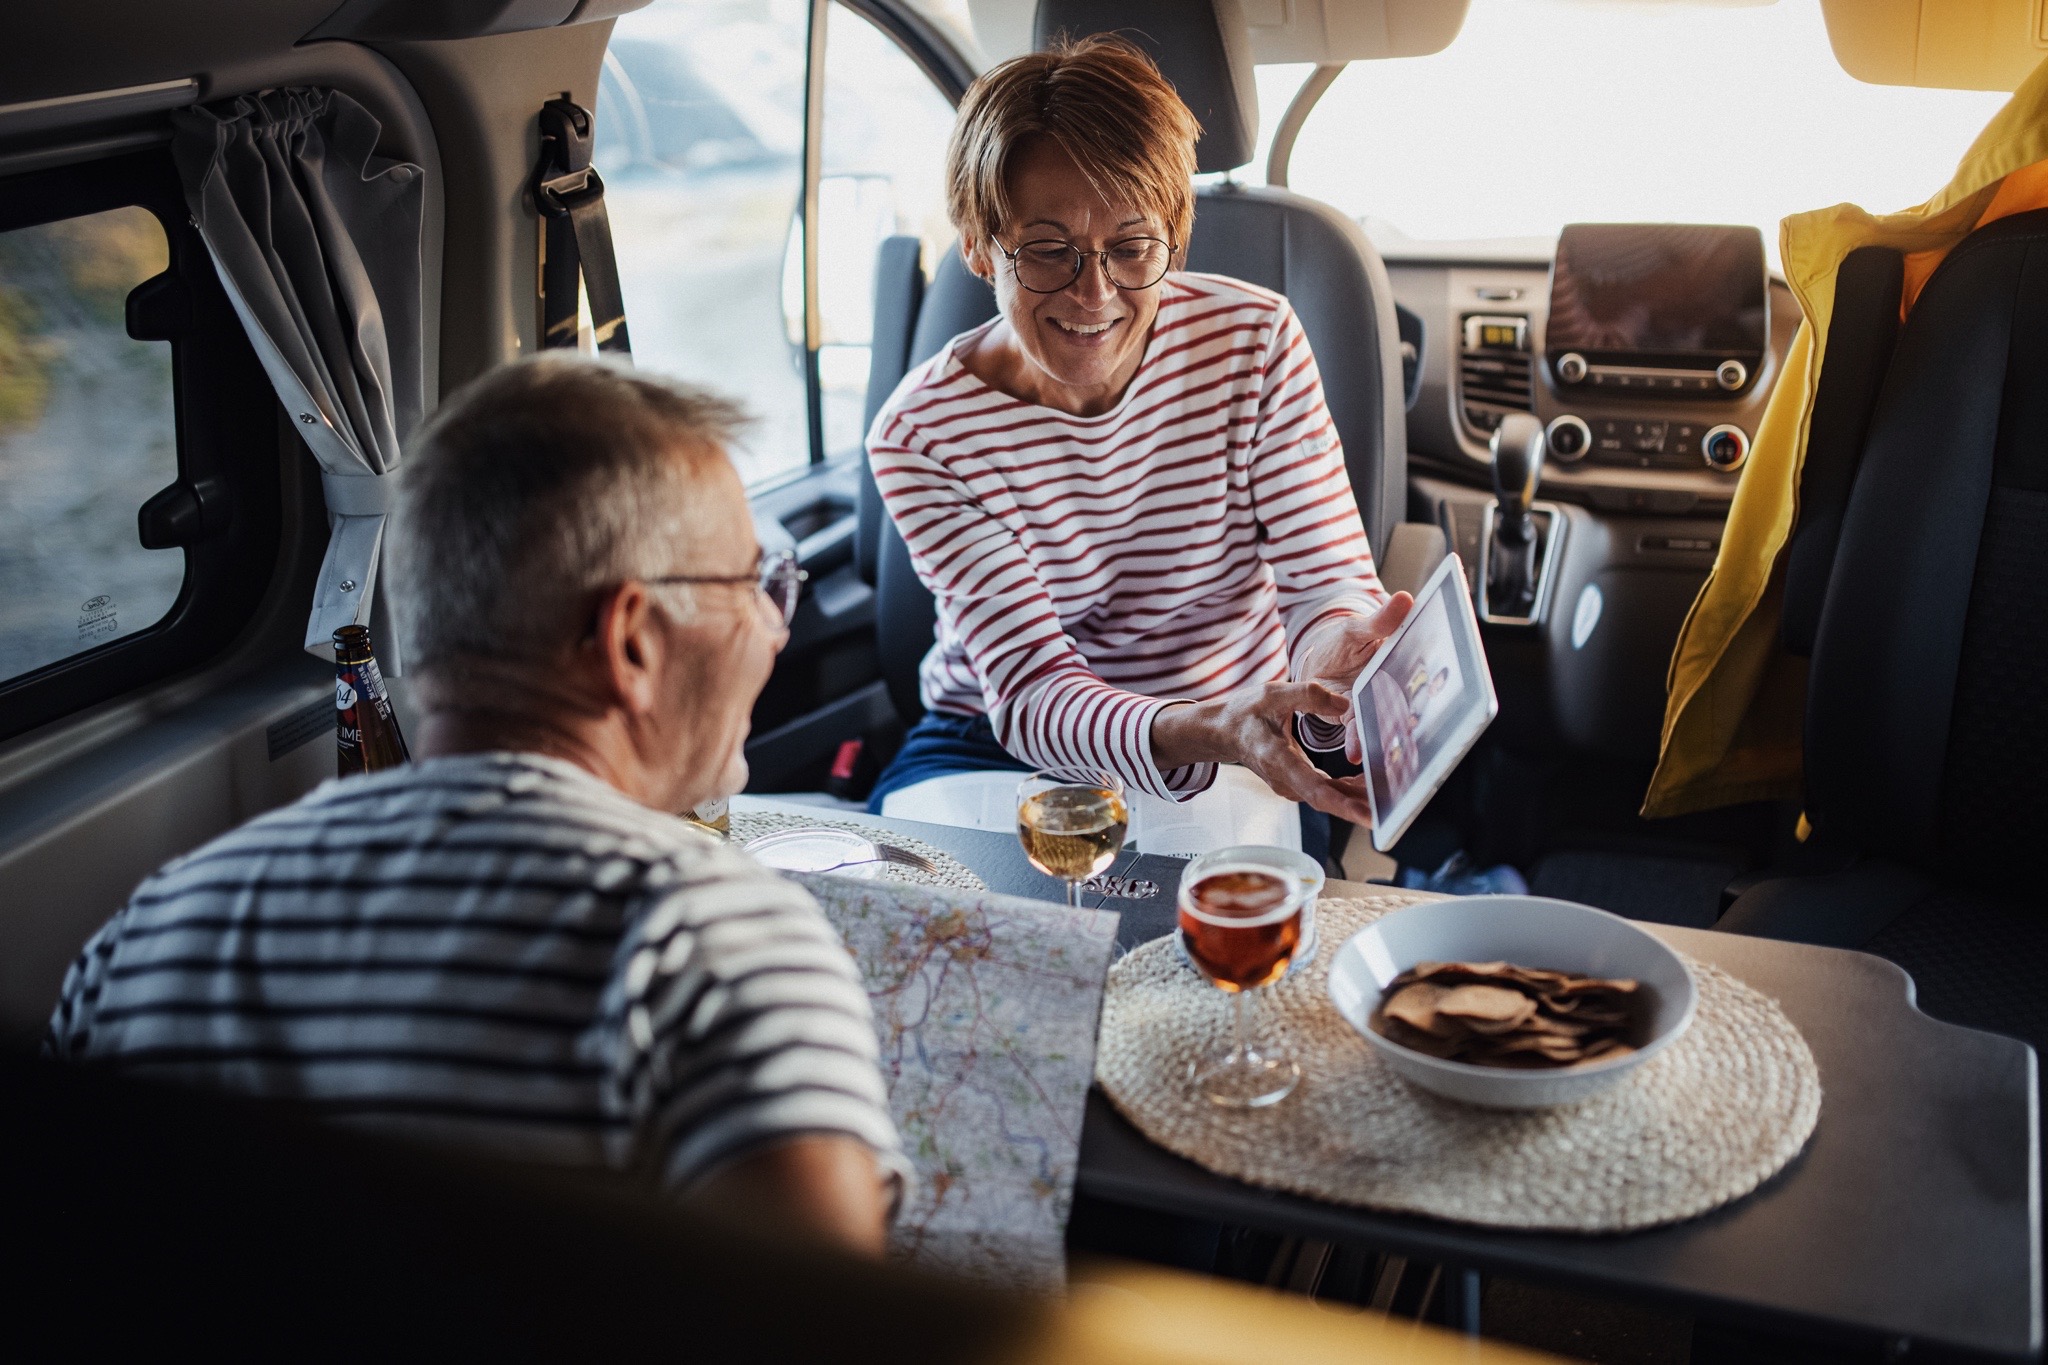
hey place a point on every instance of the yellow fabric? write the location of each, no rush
(1131, 1315)
(1734, 701)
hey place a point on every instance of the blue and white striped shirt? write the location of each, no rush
(496, 949)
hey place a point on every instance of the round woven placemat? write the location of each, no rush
(1704, 1122)
(951, 872)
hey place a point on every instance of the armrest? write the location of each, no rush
(1411, 555)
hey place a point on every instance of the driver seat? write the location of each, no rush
(1301, 248)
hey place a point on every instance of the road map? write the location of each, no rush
(986, 1008)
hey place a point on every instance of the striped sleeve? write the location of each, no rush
(1046, 705)
(68, 1034)
(1314, 539)
(744, 1025)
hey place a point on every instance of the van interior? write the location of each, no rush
(1436, 185)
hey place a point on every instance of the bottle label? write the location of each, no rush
(344, 695)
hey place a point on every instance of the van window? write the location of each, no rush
(700, 135)
(883, 175)
(700, 128)
(88, 432)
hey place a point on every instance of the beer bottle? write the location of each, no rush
(366, 732)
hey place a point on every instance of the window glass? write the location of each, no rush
(87, 434)
(1544, 112)
(700, 142)
(884, 173)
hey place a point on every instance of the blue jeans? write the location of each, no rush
(940, 743)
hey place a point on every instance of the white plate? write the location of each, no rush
(820, 849)
(1529, 931)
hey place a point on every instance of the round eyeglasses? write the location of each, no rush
(777, 576)
(1048, 265)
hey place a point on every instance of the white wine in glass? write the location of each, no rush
(1071, 823)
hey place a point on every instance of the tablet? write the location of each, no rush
(1422, 703)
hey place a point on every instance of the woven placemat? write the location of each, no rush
(752, 824)
(1704, 1122)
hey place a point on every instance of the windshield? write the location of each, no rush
(1544, 112)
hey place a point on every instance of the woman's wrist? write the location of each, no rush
(1183, 734)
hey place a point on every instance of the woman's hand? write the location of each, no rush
(1254, 726)
(1338, 650)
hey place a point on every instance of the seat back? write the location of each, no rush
(1927, 700)
(1281, 241)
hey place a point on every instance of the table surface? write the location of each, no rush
(1914, 1211)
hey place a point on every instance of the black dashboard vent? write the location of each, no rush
(1493, 383)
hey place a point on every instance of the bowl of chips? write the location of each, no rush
(1512, 1002)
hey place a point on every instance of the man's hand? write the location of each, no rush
(1338, 650)
(1254, 726)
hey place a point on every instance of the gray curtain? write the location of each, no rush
(317, 239)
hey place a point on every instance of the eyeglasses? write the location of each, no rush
(776, 576)
(1048, 265)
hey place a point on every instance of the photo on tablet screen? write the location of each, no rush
(1414, 692)
(1422, 703)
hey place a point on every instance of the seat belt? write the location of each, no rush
(576, 240)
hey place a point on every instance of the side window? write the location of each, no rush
(88, 432)
(700, 139)
(882, 175)
(700, 132)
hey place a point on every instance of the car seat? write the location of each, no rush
(1917, 584)
(1297, 246)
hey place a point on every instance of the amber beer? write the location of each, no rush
(1241, 925)
(366, 732)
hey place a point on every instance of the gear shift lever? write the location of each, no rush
(1518, 448)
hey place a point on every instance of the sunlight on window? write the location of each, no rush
(88, 431)
(1545, 112)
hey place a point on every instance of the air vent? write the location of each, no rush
(1492, 384)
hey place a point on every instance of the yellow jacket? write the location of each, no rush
(1735, 702)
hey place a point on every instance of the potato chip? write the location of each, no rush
(1507, 1015)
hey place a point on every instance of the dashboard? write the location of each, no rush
(1665, 438)
(1636, 501)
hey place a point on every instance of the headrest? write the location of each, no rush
(1202, 46)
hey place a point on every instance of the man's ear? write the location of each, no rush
(629, 646)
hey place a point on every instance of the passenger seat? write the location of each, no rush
(1293, 245)
(1917, 582)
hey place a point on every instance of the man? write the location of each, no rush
(512, 942)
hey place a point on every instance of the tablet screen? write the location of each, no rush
(1423, 704)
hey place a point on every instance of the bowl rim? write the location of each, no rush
(1515, 1075)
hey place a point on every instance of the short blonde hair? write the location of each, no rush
(1104, 103)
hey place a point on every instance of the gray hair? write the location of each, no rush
(535, 486)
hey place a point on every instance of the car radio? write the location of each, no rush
(1658, 309)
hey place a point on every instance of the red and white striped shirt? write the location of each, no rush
(1090, 571)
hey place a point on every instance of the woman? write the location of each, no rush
(1125, 492)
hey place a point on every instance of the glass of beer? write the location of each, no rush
(1241, 922)
(1071, 822)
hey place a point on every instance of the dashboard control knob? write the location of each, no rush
(1570, 438)
(1571, 367)
(1725, 447)
(1731, 375)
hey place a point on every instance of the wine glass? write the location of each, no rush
(1241, 922)
(1071, 822)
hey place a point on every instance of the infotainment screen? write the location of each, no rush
(1678, 293)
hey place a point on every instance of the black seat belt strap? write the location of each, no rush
(576, 240)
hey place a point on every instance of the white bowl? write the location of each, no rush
(1529, 931)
